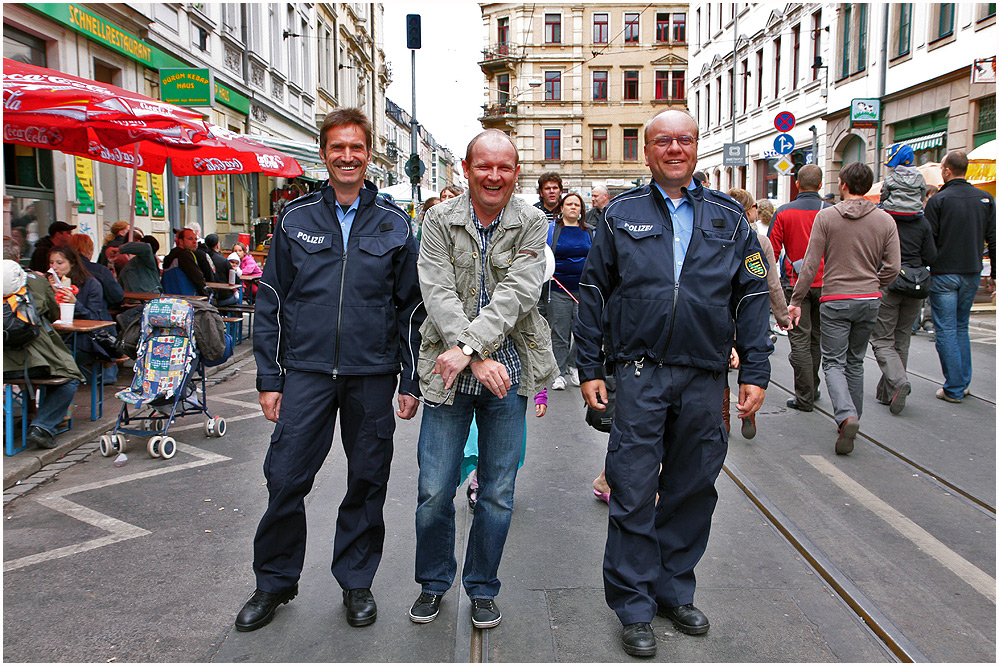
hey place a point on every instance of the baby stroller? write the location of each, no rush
(167, 371)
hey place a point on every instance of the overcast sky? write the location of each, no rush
(449, 83)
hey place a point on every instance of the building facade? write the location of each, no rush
(574, 83)
(812, 60)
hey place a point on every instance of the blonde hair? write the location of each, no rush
(83, 244)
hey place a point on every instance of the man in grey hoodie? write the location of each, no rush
(860, 246)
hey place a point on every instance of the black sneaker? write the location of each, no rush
(794, 404)
(485, 614)
(426, 608)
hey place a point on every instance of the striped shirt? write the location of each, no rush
(507, 352)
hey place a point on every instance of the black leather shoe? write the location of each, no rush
(425, 608)
(688, 619)
(40, 438)
(361, 608)
(485, 614)
(793, 404)
(638, 639)
(259, 609)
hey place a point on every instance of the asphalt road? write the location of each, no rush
(151, 561)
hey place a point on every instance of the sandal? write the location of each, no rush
(602, 496)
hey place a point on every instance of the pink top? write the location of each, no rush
(249, 266)
(541, 398)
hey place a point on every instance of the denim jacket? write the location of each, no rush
(450, 267)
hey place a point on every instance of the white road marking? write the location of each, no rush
(228, 420)
(239, 392)
(238, 403)
(926, 542)
(118, 529)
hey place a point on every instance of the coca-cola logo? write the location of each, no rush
(270, 161)
(216, 164)
(113, 155)
(39, 136)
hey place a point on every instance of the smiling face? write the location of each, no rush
(491, 170)
(672, 166)
(346, 157)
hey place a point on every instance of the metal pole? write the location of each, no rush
(413, 129)
(735, 60)
(881, 93)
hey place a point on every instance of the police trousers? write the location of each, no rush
(301, 441)
(668, 415)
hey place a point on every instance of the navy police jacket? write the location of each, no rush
(632, 308)
(320, 309)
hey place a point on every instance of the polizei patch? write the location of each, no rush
(756, 266)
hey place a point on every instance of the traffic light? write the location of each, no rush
(413, 31)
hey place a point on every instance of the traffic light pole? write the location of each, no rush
(413, 131)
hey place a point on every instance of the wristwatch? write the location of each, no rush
(466, 349)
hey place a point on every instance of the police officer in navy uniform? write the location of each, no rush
(675, 278)
(338, 314)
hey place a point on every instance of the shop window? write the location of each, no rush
(985, 127)
(600, 145)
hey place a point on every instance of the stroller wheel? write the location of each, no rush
(119, 443)
(209, 426)
(153, 447)
(168, 447)
(157, 424)
(220, 426)
(106, 447)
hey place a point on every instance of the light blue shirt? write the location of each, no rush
(346, 219)
(683, 227)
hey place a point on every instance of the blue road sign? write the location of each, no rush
(784, 144)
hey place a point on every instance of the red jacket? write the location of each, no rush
(790, 230)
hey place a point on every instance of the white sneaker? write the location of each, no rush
(558, 384)
(574, 376)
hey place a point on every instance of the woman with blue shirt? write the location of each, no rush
(570, 238)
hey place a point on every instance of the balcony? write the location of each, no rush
(500, 56)
(498, 116)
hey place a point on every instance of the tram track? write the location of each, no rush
(923, 469)
(894, 640)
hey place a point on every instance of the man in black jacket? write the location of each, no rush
(220, 265)
(338, 312)
(963, 220)
(59, 234)
(674, 279)
(182, 256)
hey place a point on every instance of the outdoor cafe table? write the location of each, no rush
(149, 296)
(96, 370)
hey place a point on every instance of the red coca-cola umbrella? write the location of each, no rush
(44, 108)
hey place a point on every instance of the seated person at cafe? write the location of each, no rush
(182, 256)
(221, 268)
(142, 272)
(74, 284)
(249, 266)
(46, 356)
(113, 293)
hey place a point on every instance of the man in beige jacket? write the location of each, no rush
(485, 350)
(860, 244)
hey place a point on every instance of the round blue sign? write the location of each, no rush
(784, 121)
(783, 144)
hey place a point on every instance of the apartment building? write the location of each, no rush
(751, 61)
(574, 83)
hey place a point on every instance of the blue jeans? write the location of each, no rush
(951, 296)
(56, 401)
(442, 441)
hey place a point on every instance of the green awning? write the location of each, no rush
(306, 154)
(927, 141)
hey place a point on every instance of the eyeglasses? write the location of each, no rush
(667, 141)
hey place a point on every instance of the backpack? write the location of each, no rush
(20, 320)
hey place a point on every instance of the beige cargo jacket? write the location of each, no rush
(450, 266)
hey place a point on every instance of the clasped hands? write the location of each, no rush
(491, 374)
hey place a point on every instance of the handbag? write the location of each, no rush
(912, 281)
(602, 420)
(107, 342)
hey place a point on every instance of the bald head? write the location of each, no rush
(672, 116)
(494, 139)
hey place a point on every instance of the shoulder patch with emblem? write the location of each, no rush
(756, 266)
